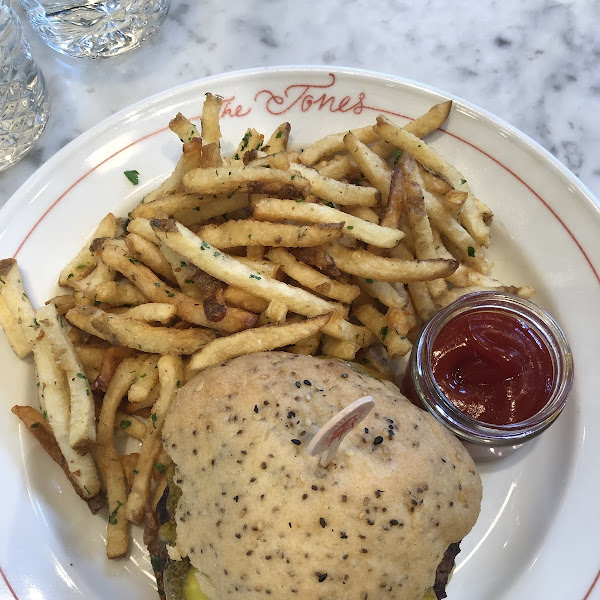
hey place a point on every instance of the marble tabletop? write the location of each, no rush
(533, 64)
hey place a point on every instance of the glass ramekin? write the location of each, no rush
(483, 440)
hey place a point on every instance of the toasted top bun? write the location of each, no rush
(258, 516)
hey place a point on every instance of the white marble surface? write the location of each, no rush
(534, 63)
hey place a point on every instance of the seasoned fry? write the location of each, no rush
(365, 264)
(152, 312)
(312, 279)
(211, 131)
(122, 331)
(333, 143)
(19, 343)
(383, 291)
(233, 272)
(16, 300)
(397, 344)
(263, 338)
(472, 215)
(243, 299)
(254, 180)
(157, 291)
(53, 393)
(221, 207)
(111, 359)
(258, 233)
(278, 141)
(149, 254)
(337, 191)
(374, 167)
(130, 425)
(191, 158)
(117, 539)
(183, 128)
(170, 370)
(145, 382)
(82, 426)
(85, 262)
(36, 425)
(343, 349)
(273, 208)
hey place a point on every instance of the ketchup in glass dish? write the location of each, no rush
(494, 368)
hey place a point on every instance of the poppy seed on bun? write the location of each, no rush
(258, 517)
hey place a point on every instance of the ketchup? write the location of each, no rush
(493, 367)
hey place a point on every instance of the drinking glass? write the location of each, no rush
(95, 28)
(24, 104)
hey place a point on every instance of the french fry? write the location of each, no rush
(221, 207)
(119, 294)
(36, 425)
(167, 204)
(117, 538)
(211, 131)
(157, 291)
(170, 369)
(245, 300)
(82, 425)
(91, 359)
(17, 301)
(233, 272)
(149, 254)
(311, 278)
(383, 291)
(122, 331)
(472, 215)
(191, 158)
(264, 338)
(132, 426)
(334, 143)
(367, 265)
(111, 359)
(152, 312)
(183, 128)
(342, 349)
(374, 167)
(339, 167)
(273, 208)
(253, 180)
(278, 141)
(258, 233)
(339, 192)
(397, 344)
(53, 393)
(19, 343)
(307, 346)
(145, 381)
(63, 303)
(85, 262)
(420, 226)
(274, 314)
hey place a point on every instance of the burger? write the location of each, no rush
(249, 513)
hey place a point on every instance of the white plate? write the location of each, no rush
(537, 536)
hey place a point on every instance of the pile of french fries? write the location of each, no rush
(343, 249)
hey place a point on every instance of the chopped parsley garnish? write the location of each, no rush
(383, 333)
(125, 424)
(471, 251)
(133, 176)
(112, 518)
(463, 181)
(369, 280)
(252, 276)
(153, 418)
(397, 155)
(160, 467)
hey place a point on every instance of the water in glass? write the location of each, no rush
(24, 103)
(95, 28)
